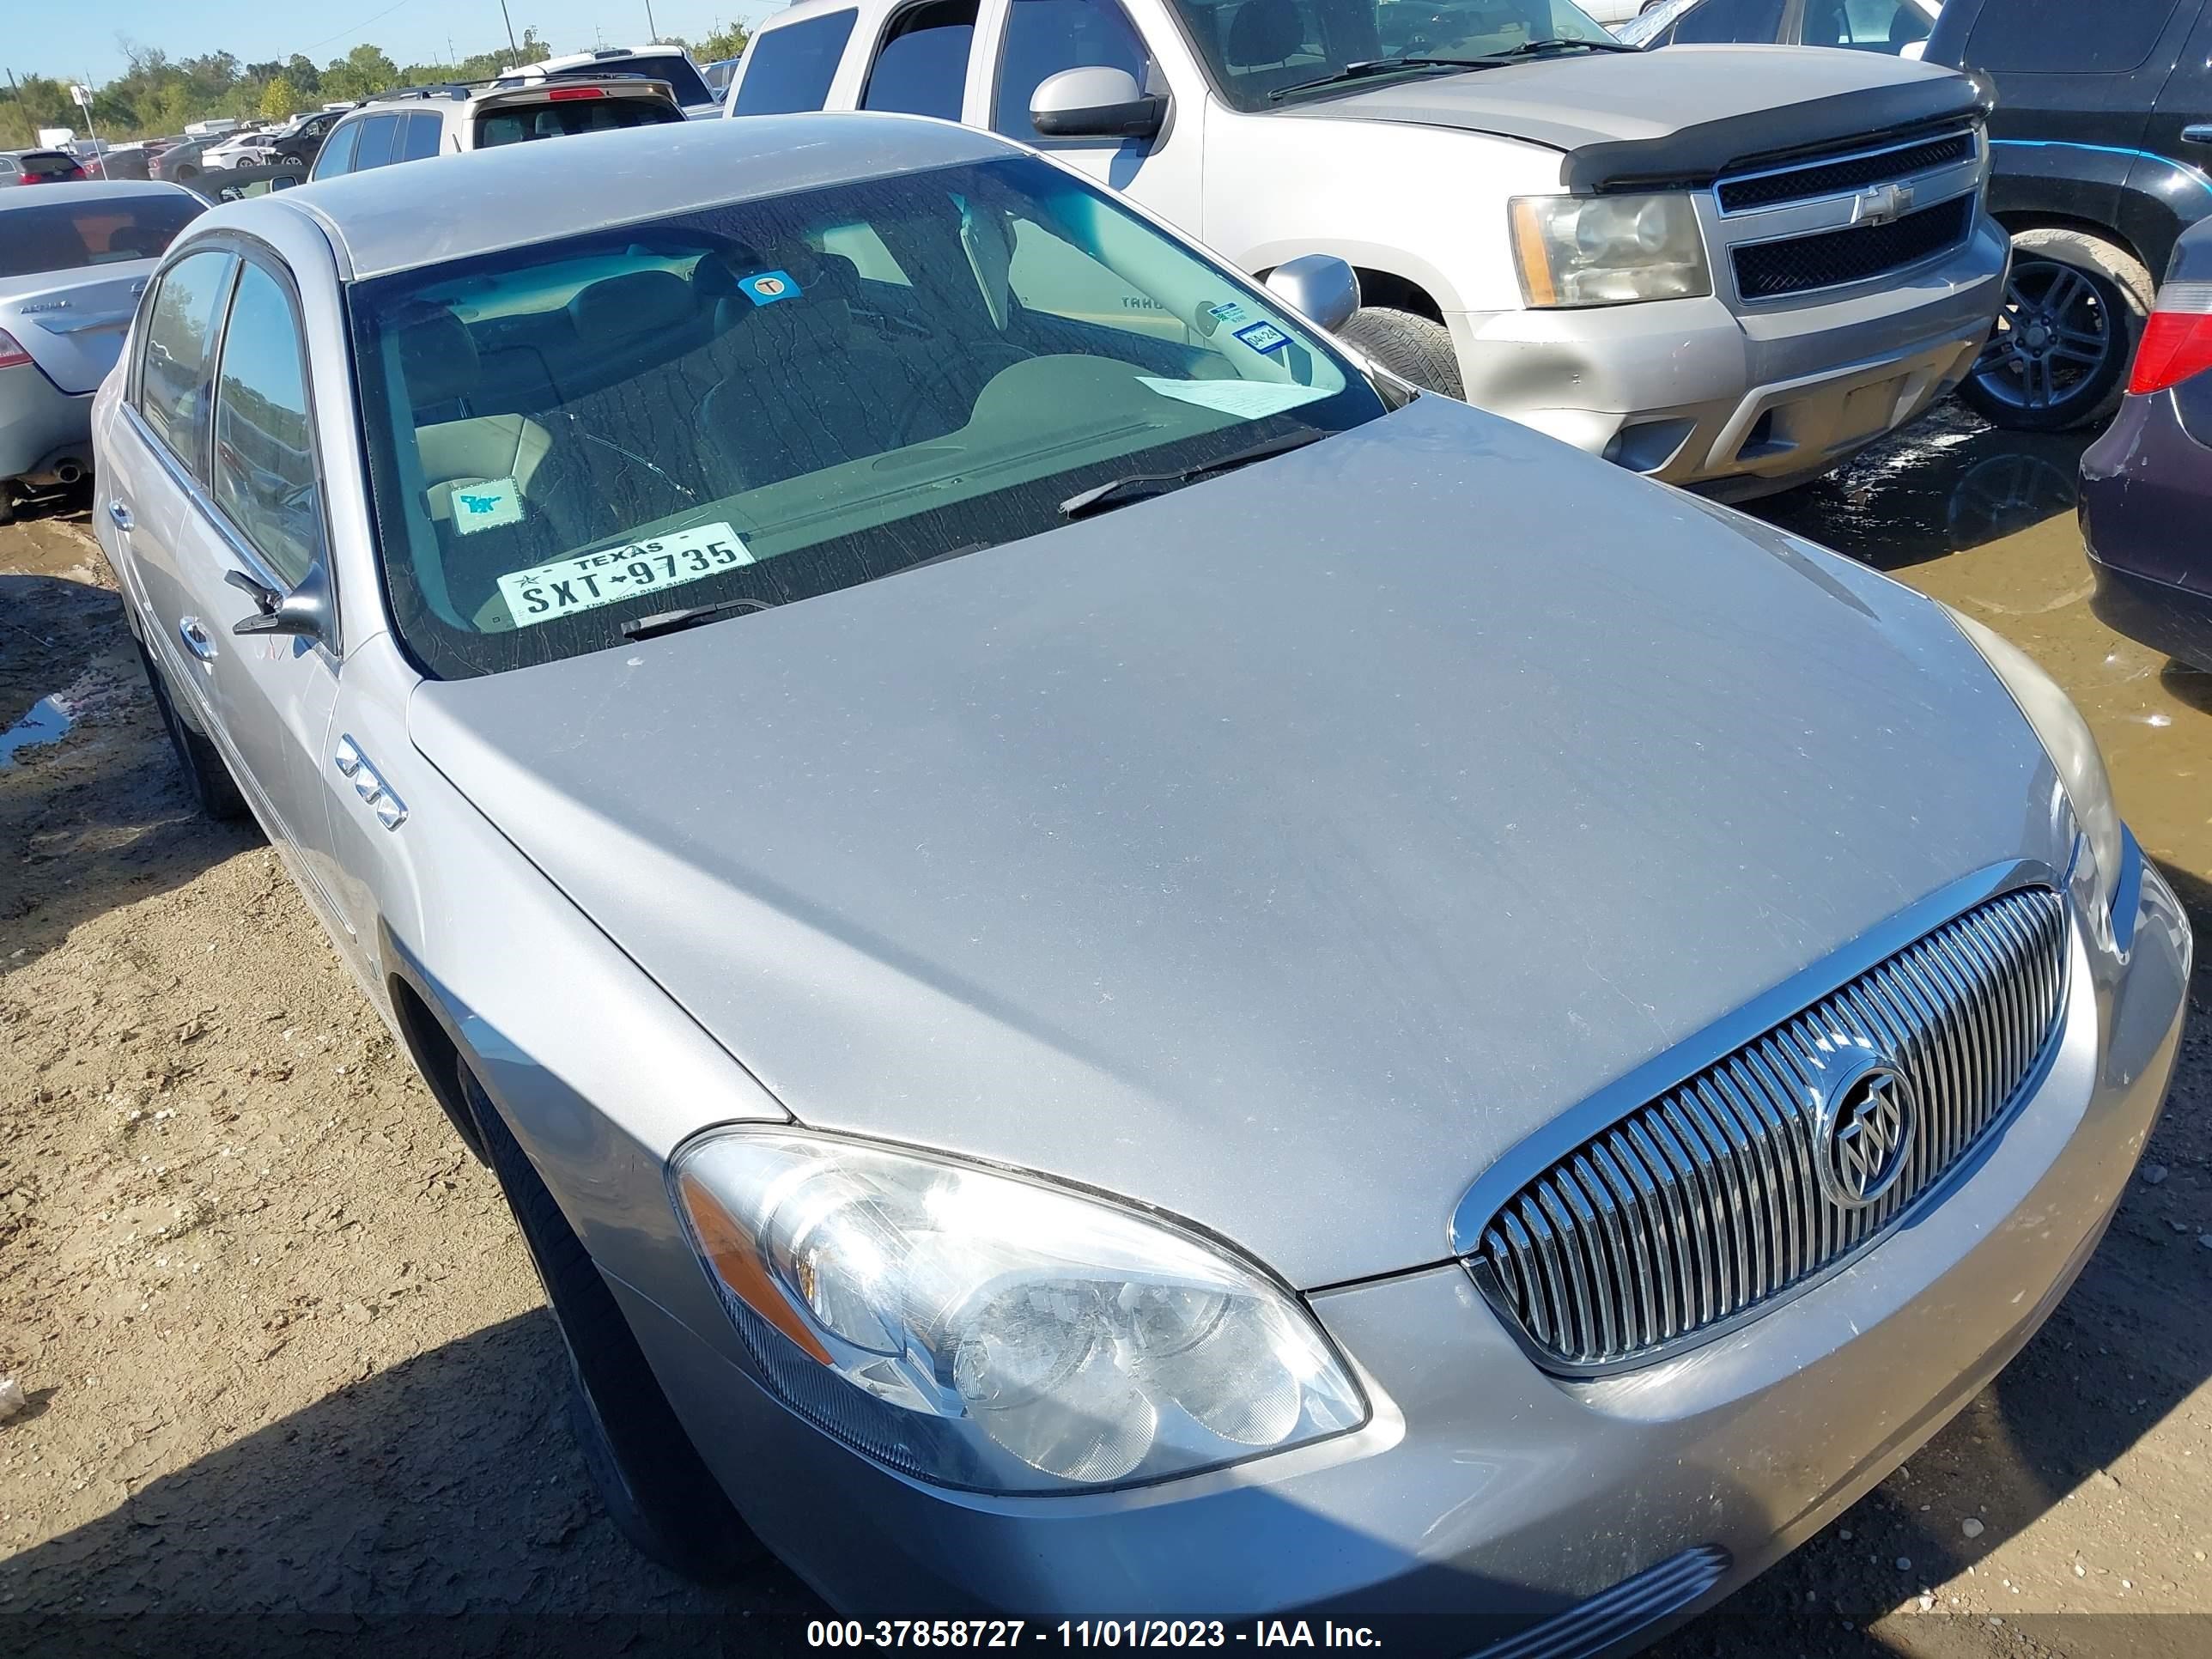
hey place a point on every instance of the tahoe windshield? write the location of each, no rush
(1264, 53)
(754, 404)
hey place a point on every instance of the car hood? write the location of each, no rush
(73, 322)
(1278, 852)
(1680, 116)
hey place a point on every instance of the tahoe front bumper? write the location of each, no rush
(1738, 405)
(1486, 1497)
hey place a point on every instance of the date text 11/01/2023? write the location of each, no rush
(1088, 1633)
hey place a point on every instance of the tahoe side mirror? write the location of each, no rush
(1318, 285)
(1095, 103)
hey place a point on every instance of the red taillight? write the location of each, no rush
(11, 354)
(2176, 341)
(561, 92)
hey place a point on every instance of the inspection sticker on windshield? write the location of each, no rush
(614, 574)
(483, 506)
(769, 287)
(1264, 336)
(1252, 399)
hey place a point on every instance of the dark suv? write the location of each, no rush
(2101, 135)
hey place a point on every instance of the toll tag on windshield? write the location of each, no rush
(769, 287)
(614, 574)
(485, 506)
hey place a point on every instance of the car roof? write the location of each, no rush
(800, 10)
(92, 190)
(455, 207)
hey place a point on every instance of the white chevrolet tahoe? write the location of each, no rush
(1723, 266)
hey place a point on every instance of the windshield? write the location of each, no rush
(70, 236)
(776, 399)
(1256, 48)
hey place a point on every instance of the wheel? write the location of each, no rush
(206, 774)
(2058, 357)
(7, 505)
(1412, 347)
(656, 1489)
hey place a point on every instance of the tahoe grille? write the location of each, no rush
(1704, 1204)
(1832, 259)
(1818, 178)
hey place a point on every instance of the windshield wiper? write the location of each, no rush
(1535, 48)
(1367, 66)
(1099, 497)
(673, 622)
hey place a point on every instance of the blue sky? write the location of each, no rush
(68, 41)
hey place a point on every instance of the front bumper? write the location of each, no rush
(42, 428)
(1690, 393)
(1485, 1496)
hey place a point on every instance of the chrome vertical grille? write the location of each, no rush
(1705, 1204)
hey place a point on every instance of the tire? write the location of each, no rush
(7, 505)
(656, 1489)
(2073, 308)
(204, 771)
(1412, 347)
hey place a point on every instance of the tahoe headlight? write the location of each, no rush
(1608, 249)
(993, 1332)
(2066, 737)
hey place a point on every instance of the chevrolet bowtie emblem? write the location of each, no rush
(1882, 204)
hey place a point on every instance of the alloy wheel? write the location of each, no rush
(2054, 334)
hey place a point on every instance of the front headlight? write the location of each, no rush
(1608, 249)
(2066, 737)
(988, 1331)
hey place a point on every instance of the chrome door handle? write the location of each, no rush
(2197, 132)
(197, 639)
(120, 515)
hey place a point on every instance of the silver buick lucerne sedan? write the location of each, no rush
(1113, 967)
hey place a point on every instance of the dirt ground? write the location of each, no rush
(291, 1386)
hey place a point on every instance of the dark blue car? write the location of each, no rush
(2146, 483)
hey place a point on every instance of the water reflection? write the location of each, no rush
(1947, 485)
(47, 722)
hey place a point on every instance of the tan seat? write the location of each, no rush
(481, 450)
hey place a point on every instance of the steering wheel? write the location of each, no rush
(957, 378)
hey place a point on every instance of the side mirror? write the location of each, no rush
(1095, 103)
(1318, 285)
(283, 180)
(305, 612)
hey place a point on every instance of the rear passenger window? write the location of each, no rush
(791, 68)
(420, 139)
(180, 333)
(264, 454)
(2064, 36)
(1720, 20)
(336, 155)
(377, 137)
(1044, 37)
(922, 67)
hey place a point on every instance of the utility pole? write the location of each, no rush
(509, 21)
(651, 33)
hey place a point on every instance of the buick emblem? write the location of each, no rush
(1867, 1124)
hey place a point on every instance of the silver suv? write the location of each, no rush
(1721, 266)
(416, 123)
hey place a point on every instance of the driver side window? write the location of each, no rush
(1044, 37)
(264, 450)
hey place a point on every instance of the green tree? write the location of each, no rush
(725, 41)
(280, 101)
(361, 72)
